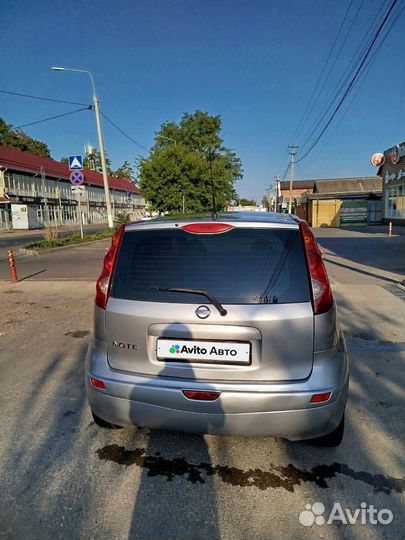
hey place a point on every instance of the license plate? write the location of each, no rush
(217, 352)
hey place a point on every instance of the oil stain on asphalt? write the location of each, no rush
(287, 477)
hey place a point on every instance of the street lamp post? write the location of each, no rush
(96, 103)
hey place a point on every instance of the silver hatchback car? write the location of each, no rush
(224, 326)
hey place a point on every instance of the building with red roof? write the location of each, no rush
(36, 191)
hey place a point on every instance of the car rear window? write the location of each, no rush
(241, 266)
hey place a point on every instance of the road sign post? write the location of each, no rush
(80, 214)
(77, 179)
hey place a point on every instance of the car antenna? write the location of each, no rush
(214, 214)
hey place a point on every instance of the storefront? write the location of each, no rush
(342, 202)
(392, 171)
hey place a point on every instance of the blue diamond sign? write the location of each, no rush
(75, 163)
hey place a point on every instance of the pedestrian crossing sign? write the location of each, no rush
(75, 163)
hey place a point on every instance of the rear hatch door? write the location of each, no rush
(257, 273)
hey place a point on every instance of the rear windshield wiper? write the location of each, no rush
(201, 292)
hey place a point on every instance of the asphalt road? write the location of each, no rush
(62, 477)
(363, 255)
(16, 239)
(366, 256)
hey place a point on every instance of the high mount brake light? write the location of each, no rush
(321, 291)
(207, 228)
(104, 281)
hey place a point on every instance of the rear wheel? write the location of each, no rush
(103, 423)
(331, 439)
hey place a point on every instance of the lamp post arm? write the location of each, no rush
(100, 139)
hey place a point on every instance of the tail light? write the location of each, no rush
(97, 383)
(321, 398)
(104, 281)
(201, 395)
(321, 291)
(207, 228)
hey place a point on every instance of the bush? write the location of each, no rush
(68, 241)
(51, 233)
(121, 218)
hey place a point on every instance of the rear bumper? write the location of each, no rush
(282, 410)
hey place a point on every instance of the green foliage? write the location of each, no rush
(68, 241)
(15, 138)
(121, 218)
(235, 198)
(184, 169)
(265, 202)
(125, 171)
(247, 202)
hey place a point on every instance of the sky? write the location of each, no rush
(253, 62)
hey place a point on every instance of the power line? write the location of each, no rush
(42, 98)
(353, 80)
(123, 133)
(286, 171)
(359, 85)
(312, 101)
(348, 73)
(282, 158)
(89, 107)
(300, 170)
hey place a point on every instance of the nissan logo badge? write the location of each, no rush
(203, 312)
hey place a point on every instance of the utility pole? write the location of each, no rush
(96, 106)
(79, 210)
(292, 150)
(277, 179)
(267, 196)
(103, 160)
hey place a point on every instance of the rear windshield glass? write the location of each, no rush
(241, 266)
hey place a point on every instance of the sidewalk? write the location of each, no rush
(63, 228)
(398, 230)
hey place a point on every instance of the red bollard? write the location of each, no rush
(13, 270)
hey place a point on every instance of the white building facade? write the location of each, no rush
(36, 192)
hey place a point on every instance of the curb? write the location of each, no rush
(39, 252)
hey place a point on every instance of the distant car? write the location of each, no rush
(224, 326)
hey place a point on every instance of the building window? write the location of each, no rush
(395, 202)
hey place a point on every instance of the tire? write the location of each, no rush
(332, 439)
(103, 423)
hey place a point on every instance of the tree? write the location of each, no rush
(266, 203)
(125, 171)
(93, 162)
(235, 198)
(247, 202)
(187, 163)
(15, 138)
